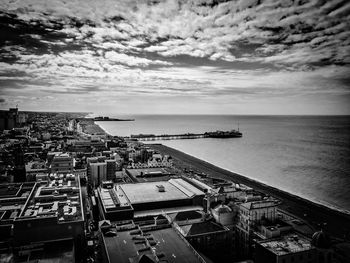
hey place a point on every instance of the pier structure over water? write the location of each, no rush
(216, 134)
(151, 137)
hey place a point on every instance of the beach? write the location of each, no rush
(335, 222)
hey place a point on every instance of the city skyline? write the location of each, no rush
(176, 57)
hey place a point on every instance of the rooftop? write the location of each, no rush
(201, 228)
(291, 243)
(112, 199)
(59, 197)
(129, 245)
(174, 189)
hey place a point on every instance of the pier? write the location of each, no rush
(216, 134)
(167, 137)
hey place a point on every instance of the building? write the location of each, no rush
(8, 119)
(111, 169)
(285, 249)
(127, 201)
(19, 169)
(223, 215)
(12, 200)
(35, 168)
(114, 206)
(212, 239)
(54, 211)
(62, 163)
(160, 195)
(251, 215)
(136, 244)
(98, 173)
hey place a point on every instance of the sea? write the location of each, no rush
(308, 156)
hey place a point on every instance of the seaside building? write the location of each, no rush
(286, 249)
(128, 201)
(251, 215)
(161, 195)
(224, 215)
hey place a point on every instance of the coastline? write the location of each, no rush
(299, 195)
(337, 222)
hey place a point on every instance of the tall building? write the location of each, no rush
(111, 169)
(98, 173)
(8, 119)
(250, 216)
(19, 169)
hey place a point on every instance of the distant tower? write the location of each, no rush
(19, 168)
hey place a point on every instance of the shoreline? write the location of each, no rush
(338, 222)
(324, 204)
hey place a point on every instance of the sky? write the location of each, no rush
(176, 57)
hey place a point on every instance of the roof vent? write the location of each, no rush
(161, 188)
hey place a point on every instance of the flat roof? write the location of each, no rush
(112, 199)
(291, 243)
(173, 246)
(123, 247)
(58, 197)
(175, 189)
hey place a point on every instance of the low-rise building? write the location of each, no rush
(135, 244)
(285, 249)
(62, 163)
(209, 238)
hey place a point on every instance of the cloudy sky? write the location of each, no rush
(176, 57)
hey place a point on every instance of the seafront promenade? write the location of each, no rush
(319, 216)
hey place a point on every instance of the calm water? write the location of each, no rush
(307, 156)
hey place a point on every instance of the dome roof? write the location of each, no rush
(321, 240)
(222, 209)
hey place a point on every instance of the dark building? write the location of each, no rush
(8, 119)
(285, 249)
(111, 169)
(212, 239)
(19, 170)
